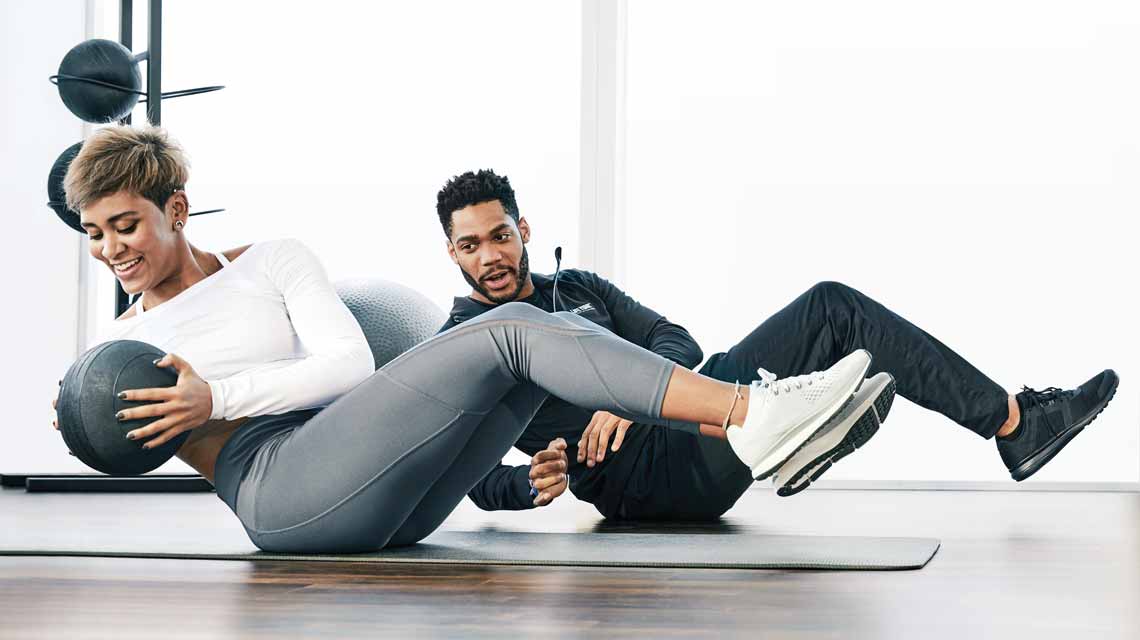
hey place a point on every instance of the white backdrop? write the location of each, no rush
(972, 165)
(40, 256)
(339, 126)
(975, 166)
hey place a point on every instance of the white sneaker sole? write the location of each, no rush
(870, 409)
(796, 438)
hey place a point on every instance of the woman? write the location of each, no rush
(311, 449)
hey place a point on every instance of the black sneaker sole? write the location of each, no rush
(861, 432)
(1039, 458)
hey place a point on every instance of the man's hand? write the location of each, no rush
(184, 406)
(592, 446)
(548, 472)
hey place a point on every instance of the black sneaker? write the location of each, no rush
(1050, 419)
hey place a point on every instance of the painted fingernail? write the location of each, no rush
(131, 435)
(119, 416)
(122, 395)
(155, 363)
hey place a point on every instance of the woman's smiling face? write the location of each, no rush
(133, 237)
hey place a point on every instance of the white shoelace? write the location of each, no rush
(768, 380)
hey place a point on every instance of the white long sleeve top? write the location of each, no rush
(267, 332)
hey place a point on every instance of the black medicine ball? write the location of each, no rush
(99, 81)
(89, 399)
(57, 198)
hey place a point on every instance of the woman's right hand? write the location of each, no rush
(55, 415)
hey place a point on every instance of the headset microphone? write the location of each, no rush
(557, 270)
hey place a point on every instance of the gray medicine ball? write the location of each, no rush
(394, 318)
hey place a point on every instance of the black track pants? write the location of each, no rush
(684, 475)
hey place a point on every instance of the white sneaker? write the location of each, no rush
(784, 414)
(851, 429)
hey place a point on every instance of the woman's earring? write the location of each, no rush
(178, 225)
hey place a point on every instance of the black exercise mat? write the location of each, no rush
(99, 483)
(665, 550)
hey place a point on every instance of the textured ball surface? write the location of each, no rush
(105, 61)
(394, 318)
(88, 401)
(57, 198)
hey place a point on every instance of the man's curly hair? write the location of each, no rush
(473, 188)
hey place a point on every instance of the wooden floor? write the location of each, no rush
(1012, 565)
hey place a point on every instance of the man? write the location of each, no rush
(676, 473)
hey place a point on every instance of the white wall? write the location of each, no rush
(975, 166)
(39, 261)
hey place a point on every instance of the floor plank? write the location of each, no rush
(1012, 565)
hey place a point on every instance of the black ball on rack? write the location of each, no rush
(89, 399)
(57, 199)
(99, 81)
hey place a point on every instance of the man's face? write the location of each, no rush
(490, 250)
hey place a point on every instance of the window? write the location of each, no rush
(971, 165)
(340, 123)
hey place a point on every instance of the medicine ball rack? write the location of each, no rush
(124, 88)
(153, 96)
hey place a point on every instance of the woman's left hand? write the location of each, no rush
(184, 406)
(592, 446)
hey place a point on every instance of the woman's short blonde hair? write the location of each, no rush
(144, 161)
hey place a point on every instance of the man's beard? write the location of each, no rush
(520, 281)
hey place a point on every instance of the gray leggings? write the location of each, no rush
(388, 461)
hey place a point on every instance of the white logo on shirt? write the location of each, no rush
(582, 309)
